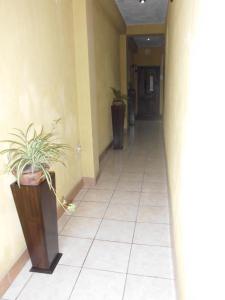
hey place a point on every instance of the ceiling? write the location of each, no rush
(151, 12)
(143, 42)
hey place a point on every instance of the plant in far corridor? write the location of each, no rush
(33, 151)
(118, 97)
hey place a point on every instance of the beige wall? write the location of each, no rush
(194, 135)
(36, 85)
(85, 86)
(143, 29)
(148, 56)
(106, 39)
(123, 69)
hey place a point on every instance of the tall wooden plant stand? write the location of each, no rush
(36, 207)
(118, 115)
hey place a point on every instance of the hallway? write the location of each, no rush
(117, 244)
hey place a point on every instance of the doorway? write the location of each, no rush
(148, 93)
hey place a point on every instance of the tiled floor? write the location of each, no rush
(117, 245)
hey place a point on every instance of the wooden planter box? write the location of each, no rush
(131, 106)
(118, 115)
(36, 207)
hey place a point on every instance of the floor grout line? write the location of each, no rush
(116, 272)
(113, 241)
(124, 290)
(59, 232)
(90, 248)
(24, 286)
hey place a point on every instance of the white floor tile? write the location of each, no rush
(153, 214)
(81, 227)
(155, 177)
(91, 209)
(62, 222)
(129, 185)
(131, 176)
(107, 184)
(108, 256)
(99, 285)
(109, 174)
(147, 288)
(121, 212)
(95, 195)
(74, 250)
(56, 286)
(154, 199)
(80, 195)
(134, 169)
(149, 186)
(127, 198)
(152, 234)
(18, 283)
(151, 261)
(118, 231)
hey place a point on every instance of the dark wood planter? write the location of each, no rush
(36, 207)
(131, 106)
(118, 115)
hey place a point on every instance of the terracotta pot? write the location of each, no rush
(31, 178)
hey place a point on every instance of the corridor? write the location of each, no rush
(117, 244)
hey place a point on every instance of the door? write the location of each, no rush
(148, 93)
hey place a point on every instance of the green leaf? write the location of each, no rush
(8, 150)
(12, 142)
(28, 130)
(18, 136)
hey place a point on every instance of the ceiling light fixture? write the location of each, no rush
(142, 1)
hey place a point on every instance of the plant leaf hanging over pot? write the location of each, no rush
(31, 154)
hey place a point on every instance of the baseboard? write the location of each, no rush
(7, 280)
(104, 152)
(171, 219)
(70, 196)
(89, 182)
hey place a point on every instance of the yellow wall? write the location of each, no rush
(85, 86)
(106, 35)
(36, 85)
(148, 56)
(194, 135)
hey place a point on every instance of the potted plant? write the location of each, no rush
(118, 108)
(30, 155)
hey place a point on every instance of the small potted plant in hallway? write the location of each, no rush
(30, 155)
(118, 108)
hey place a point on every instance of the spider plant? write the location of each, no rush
(30, 151)
(118, 97)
